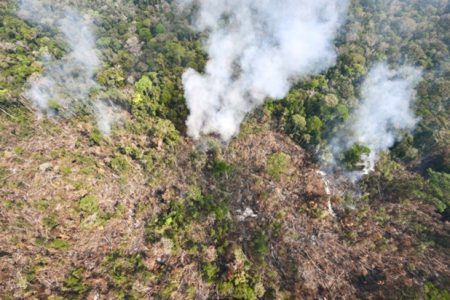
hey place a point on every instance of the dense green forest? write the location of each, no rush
(146, 211)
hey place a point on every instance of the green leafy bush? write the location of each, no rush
(89, 204)
(353, 157)
(434, 293)
(278, 165)
(74, 286)
(439, 189)
(120, 164)
(221, 168)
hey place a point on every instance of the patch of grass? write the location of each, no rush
(66, 170)
(51, 127)
(93, 216)
(120, 164)
(12, 204)
(50, 222)
(53, 104)
(169, 289)
(87, 164)
(124, 271)
(58, 153)
(221, 168)
(56, 243)
(41, 205)
(319, 213)
(131, 151)
(181, 215)
(96, 137)
(191, 292)
(352, 235)
(241, 284)
(19, 151)
(23, 119)
(278, 165)
(90, 170)
(210, 271)
(3, 173)
(77, 185)
(260, 245)
(73, 285)
(164, 130)
(382, 216)
(89, 204)
(434, 293)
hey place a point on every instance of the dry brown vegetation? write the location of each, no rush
(149, 214)
(89, 217)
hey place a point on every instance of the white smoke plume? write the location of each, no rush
(106, 114)
(256, 50)
(384, 113)
(70, 79)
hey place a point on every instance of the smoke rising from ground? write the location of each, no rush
(69, 79)
(106, 114)
(256, 49)
(384, 113)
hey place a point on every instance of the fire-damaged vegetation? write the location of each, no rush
(148, 213)
(131, 217)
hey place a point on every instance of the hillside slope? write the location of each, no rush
(103, 194)
(153, 215)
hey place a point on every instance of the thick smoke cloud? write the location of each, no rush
(385, 112)
(71, 78)
(256, 49)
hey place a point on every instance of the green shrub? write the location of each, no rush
(95, 137)
(50, 222)
(73, 285)
(221, 168)
(124, 270)
(89, 204)
(159, 29)
(434, 293)
(54, 105)
(352, 158)
(120, 164)
(260, 245)
(210, 272)
(437, 190)
(278, 165)
(59, 244)
(164, 130)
